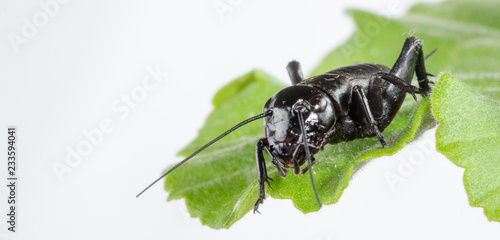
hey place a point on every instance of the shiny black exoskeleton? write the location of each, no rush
(346, 103)
(343, 104)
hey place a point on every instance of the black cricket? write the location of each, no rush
(343, 104)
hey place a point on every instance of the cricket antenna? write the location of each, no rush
(430, 54)
(308, 154)
(207, 145)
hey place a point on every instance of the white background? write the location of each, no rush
(64, 79)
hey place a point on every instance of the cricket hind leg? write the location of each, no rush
(412, 60)
(398, 79)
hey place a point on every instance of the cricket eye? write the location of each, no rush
(268, 103)
(318, 103)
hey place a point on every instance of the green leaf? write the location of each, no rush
(220, 184)
(469, 135)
